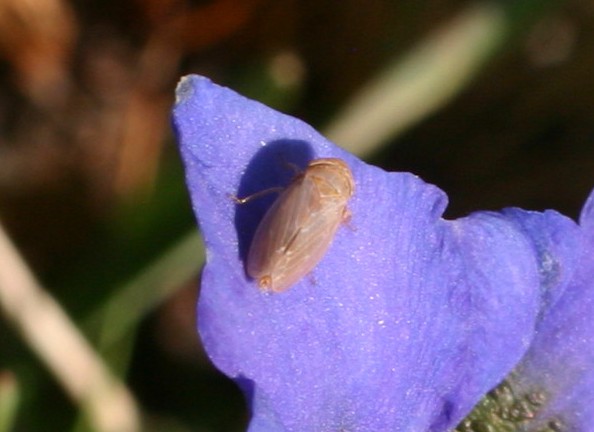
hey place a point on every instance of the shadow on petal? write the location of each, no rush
(272, 166)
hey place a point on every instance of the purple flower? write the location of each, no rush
(409, 319)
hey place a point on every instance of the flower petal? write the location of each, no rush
(405, 323)
(553, 387)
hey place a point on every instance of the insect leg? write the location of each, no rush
(256, 195)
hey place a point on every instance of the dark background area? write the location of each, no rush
(92, 190)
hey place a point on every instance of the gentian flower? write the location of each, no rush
(410, 319)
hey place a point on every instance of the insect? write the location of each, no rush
(299, 227)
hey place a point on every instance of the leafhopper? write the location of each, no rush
(299, 227)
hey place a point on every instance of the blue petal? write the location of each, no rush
(406, 322)
(556, 378)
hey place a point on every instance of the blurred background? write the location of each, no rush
(491, 101)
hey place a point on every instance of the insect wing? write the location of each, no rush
(294, 234)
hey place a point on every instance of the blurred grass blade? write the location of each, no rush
(51, 334)
(420, 83)
(10, 396)
(158, 281)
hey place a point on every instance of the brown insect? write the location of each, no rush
(299, 227)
